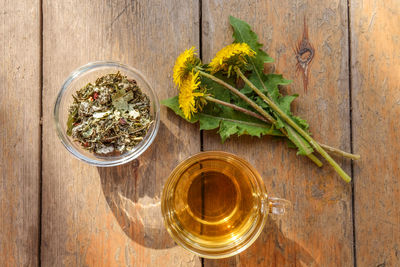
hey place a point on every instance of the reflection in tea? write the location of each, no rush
(214, 202)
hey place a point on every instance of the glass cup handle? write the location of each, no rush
(278, 206)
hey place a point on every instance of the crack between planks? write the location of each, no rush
(200, 7)
(39, 249)
(201, 57)
(351, 133)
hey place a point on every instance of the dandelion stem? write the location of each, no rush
(255, 115)
(340, 152)
(303, 133)
(235, 107)
(265, 114)
(270, 119)
(239, 94)
(315, 159)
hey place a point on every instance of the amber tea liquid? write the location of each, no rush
(215, 203)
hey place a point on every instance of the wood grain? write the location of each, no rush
(375, 35)
(318, 232)
(19, 132)
(111, 217)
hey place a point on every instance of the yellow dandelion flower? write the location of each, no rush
(187, 94)
(183, 65)
(233, 54)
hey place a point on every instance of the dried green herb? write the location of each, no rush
(111, 116)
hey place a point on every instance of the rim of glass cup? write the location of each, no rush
(245, 241)
(111, 160)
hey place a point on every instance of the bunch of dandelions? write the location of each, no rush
(192, 95)
(234, 58)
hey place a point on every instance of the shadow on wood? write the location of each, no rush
(133, 192)
(277, 250)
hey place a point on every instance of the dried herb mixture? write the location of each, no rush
(111, 116)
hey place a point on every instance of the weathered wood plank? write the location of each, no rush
(375, 35)
(19, 132)
(319, 230)
(111, 217)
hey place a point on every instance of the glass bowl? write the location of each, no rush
(89, 73)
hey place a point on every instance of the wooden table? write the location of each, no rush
(58, 211)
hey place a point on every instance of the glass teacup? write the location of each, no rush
(215, 204)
